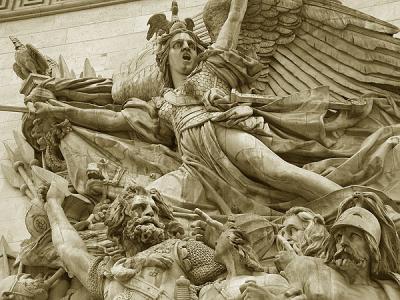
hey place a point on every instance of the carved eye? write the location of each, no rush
(338, 237)
(355, 236)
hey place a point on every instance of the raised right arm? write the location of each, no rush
(69, 245)
(229, 34)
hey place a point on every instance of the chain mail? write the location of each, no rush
(95, 283)
(203, 267)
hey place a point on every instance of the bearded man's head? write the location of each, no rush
(139, 219)
(364, 219)
(305, 231)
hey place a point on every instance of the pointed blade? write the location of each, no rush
(7, 250)
(64, 70)
(88, 70)
(10, 153)
(5, 253)
(26, 150)
(13, 178)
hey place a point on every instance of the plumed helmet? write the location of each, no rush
(362, 219)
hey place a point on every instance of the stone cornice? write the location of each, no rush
(11, 10)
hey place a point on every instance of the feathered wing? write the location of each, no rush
(308, 43)
(19, 72)
(337, 46)
(39, 58)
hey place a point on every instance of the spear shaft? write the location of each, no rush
(21, 109)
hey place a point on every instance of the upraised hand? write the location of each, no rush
(206, 230)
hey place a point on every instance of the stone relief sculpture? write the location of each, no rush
(263, 165)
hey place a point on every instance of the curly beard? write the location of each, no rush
(144, 232)
(349, 259)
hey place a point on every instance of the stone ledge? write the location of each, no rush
(11, 10)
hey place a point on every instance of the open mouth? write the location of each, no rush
(186, 57)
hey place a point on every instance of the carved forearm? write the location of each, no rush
(62, 231)
(97, 119)
(69, 245)
(229, 34)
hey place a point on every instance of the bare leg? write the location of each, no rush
(257, 161)
(229, 34)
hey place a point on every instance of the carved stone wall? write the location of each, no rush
(21, 9)
(388, 10)
(106, 35)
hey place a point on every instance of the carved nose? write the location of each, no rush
(185, 45)
(344, 241)
(148, 211)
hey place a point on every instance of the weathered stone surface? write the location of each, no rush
(285, 133)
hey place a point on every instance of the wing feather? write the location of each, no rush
(306, 43)
(18, 71)
(323, 74)
(39, 58)
(339, 16)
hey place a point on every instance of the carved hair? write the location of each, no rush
(118, 214)
(164, 43)
(315, 232)
(385, 257)
(242, 245)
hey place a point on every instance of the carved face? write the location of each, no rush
(22, 287)
(293, 230)
(352, 250)
(182, 54)
(144, 206)
(144, 227)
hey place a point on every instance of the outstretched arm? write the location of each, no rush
(229, 34)
(69, 245)
(97, 119)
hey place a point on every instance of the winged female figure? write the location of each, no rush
(229, 138)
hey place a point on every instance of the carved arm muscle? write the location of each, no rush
(69, 245)
(97, 119)
(229, 34)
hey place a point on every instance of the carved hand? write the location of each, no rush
(235, 115)
(162, 261)
(252, 291)
(217, 100)
(206, 230)
(55, 194)
(43, 110)
(283, 258)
